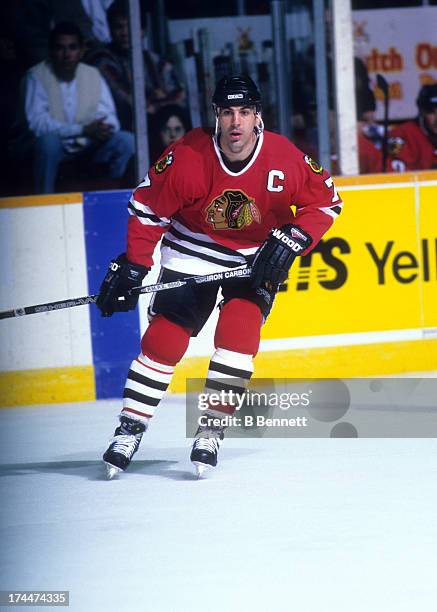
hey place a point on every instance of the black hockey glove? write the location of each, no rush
(120, 277)
(276, 255)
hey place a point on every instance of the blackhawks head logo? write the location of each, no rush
(164, 163)
(315, 167)
(233, 209)
(395, 145)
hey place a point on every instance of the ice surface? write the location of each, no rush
(282, 525)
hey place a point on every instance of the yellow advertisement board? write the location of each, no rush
(428, 240)
(375, 270)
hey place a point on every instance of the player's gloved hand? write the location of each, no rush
(120, 277)
(275, 256)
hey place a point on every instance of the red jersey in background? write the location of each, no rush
(411, 148)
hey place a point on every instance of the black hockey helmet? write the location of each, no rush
(427, 98)
(236, 90)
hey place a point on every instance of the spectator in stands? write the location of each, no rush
(305, 109)
(370, 137)
(370, 133)
(96, 11)
(364, 96)
(34, 19)
(69, 113)
(162, 84)
(413, 144)
(170, 123)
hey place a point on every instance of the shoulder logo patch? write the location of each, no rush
(315, 167)
(163, 163)
(395, 145)
(233, 209)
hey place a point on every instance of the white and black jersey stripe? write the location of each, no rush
(332, 211)
(145, 214)
(336, 204)
(182, 250)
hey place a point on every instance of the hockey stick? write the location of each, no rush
(383, 86)
(91, 299)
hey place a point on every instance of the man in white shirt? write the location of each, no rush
(70, 112)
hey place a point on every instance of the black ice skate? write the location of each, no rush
(205, 448)
(123, 446)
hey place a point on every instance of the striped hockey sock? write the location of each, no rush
(146, 384)
(228, 371)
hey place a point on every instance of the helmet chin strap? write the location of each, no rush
(216, 129)
(259, 128)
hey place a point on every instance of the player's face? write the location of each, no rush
(237, 136)
(431, 121)
(65, 55)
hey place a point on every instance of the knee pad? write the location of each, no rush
(165, 341)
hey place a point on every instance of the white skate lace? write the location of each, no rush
(125, 444)
(209, 444)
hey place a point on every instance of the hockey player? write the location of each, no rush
(219, 200)
(413, 144)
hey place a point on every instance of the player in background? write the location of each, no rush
(219, 199)
(413, 145)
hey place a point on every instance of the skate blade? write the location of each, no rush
(201, 468)
(112, 471)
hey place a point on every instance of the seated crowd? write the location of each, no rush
(68, 113)
(412, 145)
(74, 114)
(72, 119)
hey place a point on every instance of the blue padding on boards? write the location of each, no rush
(116, 339)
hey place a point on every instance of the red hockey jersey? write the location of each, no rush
(214, 218)
(369, 156)
(411, 148)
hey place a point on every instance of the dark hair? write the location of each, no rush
(119, 8)
(67, 28)
(156, 123)
(427, 98)
(172, 110)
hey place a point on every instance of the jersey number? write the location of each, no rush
(330, 183)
